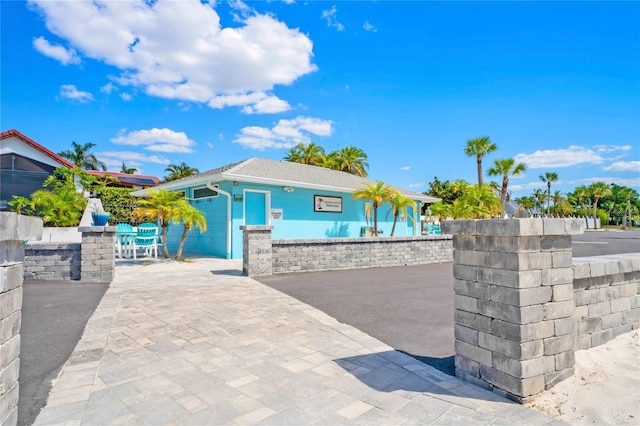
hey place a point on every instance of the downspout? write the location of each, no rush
(229, 218)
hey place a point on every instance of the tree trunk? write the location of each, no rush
(165, 250)
(375, 219)
(595, 211)
(479, 160)
(503, 193)
(393, 228)
(548, 199)
(185, 230)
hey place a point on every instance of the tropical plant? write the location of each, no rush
(159, 206)
(582, 196)
(190, 218)
(21, 205)
(118, 202)
(547, 178)
(598, 190)
(310, 154)
(128, 170)
(525, 203)
(399, 205)
(446, 191)
(479, 147)
(81, 156)
(441, 210)
(351, 160)
(379, 193)
(477, 202)
(539, 195)
(179, 171)
(506, 167)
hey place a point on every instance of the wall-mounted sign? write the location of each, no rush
(276, 214)
(323, 203)
(237, 197)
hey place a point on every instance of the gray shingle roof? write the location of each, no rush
(262, 170)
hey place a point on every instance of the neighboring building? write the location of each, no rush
(300, 201)
(25, 164)
(125, 180)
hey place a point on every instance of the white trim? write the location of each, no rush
(267, 204)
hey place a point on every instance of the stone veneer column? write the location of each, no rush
(14, 230)
(97, 254)
(514, 324)
(257, 250)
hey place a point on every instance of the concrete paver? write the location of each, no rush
(198, 343)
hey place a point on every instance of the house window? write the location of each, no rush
(182, 193)
(205, 192)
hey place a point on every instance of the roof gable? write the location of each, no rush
(35, 145)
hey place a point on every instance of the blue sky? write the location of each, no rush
(555, 85)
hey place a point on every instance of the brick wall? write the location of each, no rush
(264, 256)
(352, 253)
(514, 324)
(52, 261)
(523, 305)
(607, 298)
(14, 230)
(92, 260)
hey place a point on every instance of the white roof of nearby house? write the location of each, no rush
(282, 173)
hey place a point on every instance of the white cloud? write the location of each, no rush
(624, 166)
(631, 182)
(330, 16)
(530, 185)
(162, 140)
(179, 50)
(108, 88)
(612, 148)
(285, 134)
(416, 185)
(210, 145)
(133, 159)
(557, 158)
(57, 52)
(125, 96)
(369, 27)
(69, 91)
(405, 168)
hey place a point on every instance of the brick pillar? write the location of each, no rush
(97, 254)
(256, 250)
(14, 230)
(514, 324)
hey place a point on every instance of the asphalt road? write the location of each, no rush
(411, 308)
(54, 314)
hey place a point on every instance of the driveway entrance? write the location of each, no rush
(409, 308)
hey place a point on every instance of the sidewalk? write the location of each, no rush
(198, 343)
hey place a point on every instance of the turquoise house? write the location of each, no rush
(300, 201)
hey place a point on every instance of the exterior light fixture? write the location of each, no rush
(288, 189)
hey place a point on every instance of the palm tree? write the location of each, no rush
(128, 170)
(179, 171)
(190, 218)
(399, 204)
(81, 157)
(598, 190)
(310, 154)
(379, 193)
(352, 160)
(479, 147)
(548, 178)
(539, 195)
(159, 206)
(506, 167)
(526, 203)
(581, 193)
